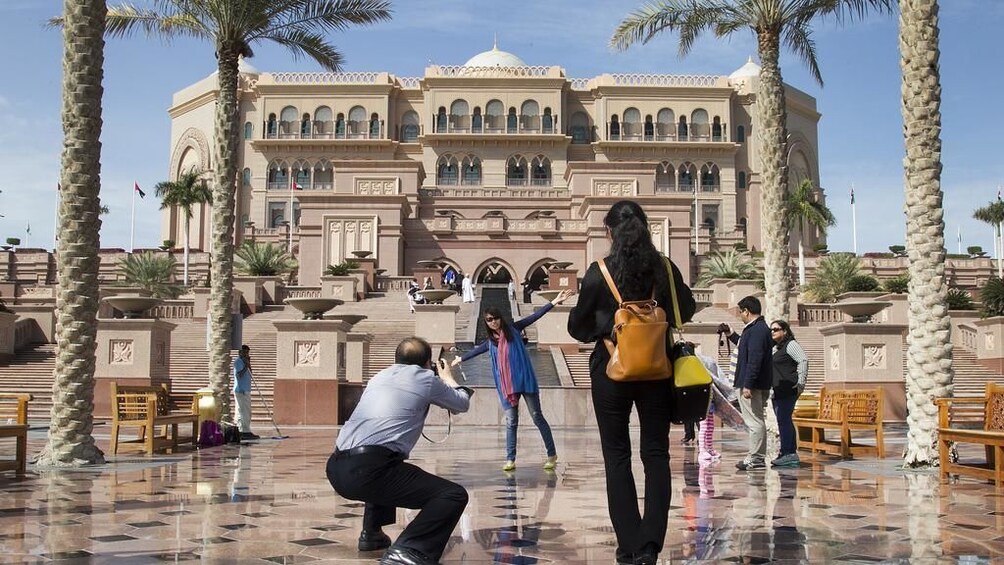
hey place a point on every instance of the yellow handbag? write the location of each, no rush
(691, 379)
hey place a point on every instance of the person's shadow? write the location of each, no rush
(507, 543)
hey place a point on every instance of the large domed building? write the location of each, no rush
(494, 167)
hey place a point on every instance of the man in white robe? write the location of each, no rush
(468, 288)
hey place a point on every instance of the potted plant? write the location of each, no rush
(341, 269)
(976, 251)
(167, 245)
(13, 241)
(898, 250)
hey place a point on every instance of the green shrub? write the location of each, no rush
(975, 251)
(898, 250)
(13, 241)
(897, 285)
(992, 297)
(728, 264)
(263, 260)
(959, 299)
(153, 273)
(832, 276)
(819, 248)
(862, 283)
(341, 269)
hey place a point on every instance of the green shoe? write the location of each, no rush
(550, 462)
(509, 466)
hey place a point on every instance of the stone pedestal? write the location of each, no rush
(357, 352)
(131, 352)
(437, 323)
(200, 305)
(45, 319)
(359, 275)
(7, 320)
(342, 288)
(990, 343)
(560, 279)
(253, 291)
(897, 313)
(310, 357)
(552, 328)
(368, 266)
(857, 355)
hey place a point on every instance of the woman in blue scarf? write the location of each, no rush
(514, 376)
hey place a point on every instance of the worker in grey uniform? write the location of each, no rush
(369, 462)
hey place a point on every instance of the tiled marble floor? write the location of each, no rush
(269, 502)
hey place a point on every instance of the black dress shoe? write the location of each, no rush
(249, 435)
(397, 555)
(374, 540)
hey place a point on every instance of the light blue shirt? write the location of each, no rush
(242, 377)
(392, 410)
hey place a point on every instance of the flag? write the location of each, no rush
(296, 186)
(998, 194)
(59, 187)
(852, 196)
(27, 230)
(138, 190)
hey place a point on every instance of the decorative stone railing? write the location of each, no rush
(703, 294)
(297, 292)
(490, 72)
(326, 78)
(819, 314)
(635, 79)
(392, 284)
(580, 83)
(498, 226)
(967, 337)
(409, 83)
(174, 310)
(497, 192)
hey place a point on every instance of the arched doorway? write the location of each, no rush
(493, 273)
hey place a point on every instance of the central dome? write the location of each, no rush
(495, 58)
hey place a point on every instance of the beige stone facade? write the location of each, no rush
(490, 167)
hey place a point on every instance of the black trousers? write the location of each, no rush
(385, 482)
(613, 402)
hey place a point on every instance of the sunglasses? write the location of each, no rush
(776, 330)
(490, 318)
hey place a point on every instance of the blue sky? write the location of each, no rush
(860, 134)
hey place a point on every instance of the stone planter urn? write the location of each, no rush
(861, 311)
(132, 306)
(313, 308)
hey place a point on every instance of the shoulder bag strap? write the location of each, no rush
(672, 293)
(610, 281)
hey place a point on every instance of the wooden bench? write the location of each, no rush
(842, 411)
(149, 409)
(14, 424)
(973, 420)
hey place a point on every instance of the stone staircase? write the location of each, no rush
(31, 372)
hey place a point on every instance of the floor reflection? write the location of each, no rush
(268, 502)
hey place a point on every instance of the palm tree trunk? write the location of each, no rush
(70, 442)
(224, 185)
(187, 245)
(929, 357)
(773, 190)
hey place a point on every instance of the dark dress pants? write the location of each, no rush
(386, 482)
(612, 401)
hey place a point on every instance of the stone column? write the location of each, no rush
(310, 355)
(437, 323)
(368, 266)
(130, 352)
(357, 352)
(990, 342)
(342, 288)
(858, 355)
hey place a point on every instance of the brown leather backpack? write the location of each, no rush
(637, 344)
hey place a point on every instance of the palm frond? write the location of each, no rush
(263, 260)
(832, 276)
(150, 272)
(300, 42)
(190, 189)
(688, 17)
(327, 15)
(798, 38)
(992, 213)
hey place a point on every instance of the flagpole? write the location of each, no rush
(697, 225)
(960, 240)
(55, 223)
(854, 221)
(999, 243)
(132, 222)
(292, 183)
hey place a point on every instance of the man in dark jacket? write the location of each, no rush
(753, 377)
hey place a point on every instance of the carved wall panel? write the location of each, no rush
(874, 356)
(307, 353)
(347, 234)
(120, 352)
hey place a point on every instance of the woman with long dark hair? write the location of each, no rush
(514, 376)
(639, 272)
(791, 368)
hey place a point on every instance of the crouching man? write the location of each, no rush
(369, 459)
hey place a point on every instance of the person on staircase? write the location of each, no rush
(514, 375)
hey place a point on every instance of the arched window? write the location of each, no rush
(741, 179)
(459, 116)
(447, 171)
(409, 127)
(580, 128)
(302, 177)
(681, 130)
(357, 121)
(471, 169)
(742, 225)
(288, 119)
(324, 175)
(540, 174)
(511, 122)
(699, 128)
(649, 128)
(494, 115)
(615, 128)
(716, 129)
(248, 130)
(530, 116)
(632, 124)
(441, 120)
(340, 126)
(374, 126)
(278, 176)
(246, 177)
(516, 171)
(547, 122)
(323, 126)
(740, 134)
(665, 128)
(305, 126)
(687, 173)
(710, 178)
(271, 127)
(477, 121)
(665, 178)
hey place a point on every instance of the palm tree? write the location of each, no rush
(728, 264)
(232, 27)
(804, 208)
(929, 372)
(263, 260)
(70, 442)
(832, 276)
(150, 272)
(184, 193)
(993, 214)
(775, 24)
